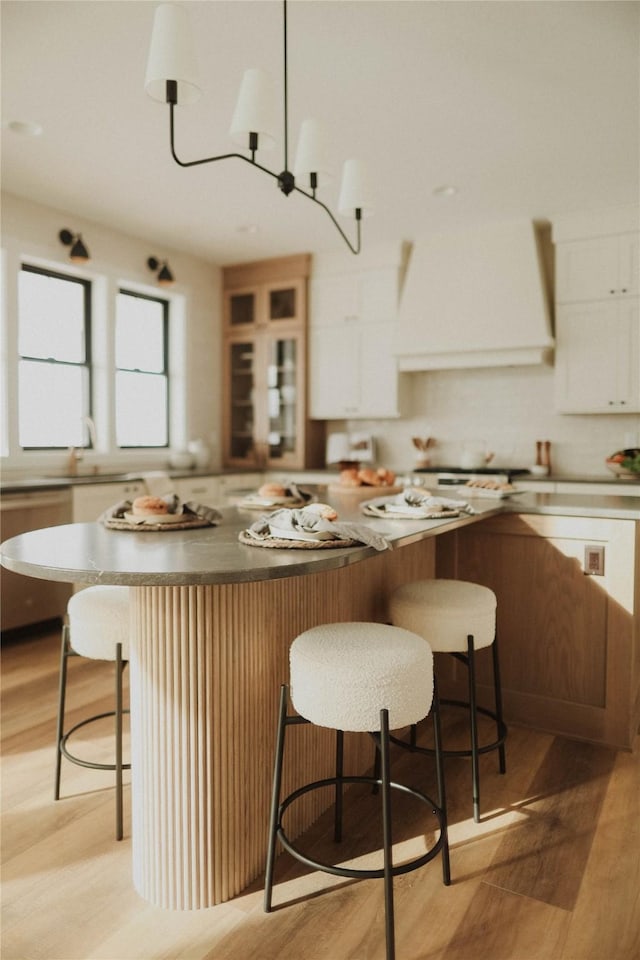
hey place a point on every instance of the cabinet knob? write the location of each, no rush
(611, 291)
(624, 289)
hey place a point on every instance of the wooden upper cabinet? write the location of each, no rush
(268, 293)
(265, 422)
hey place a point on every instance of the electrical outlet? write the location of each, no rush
(594, 560)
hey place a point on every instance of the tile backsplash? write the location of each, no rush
(507, 409)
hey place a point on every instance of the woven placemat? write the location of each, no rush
(118, 523)
(273, 542)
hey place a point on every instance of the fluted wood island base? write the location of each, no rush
(206, 665)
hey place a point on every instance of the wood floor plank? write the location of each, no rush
(68, 892)
(545, 857)
(606, 918)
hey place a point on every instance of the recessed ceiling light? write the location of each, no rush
(446, 190)
(25, 128)
(249, 228)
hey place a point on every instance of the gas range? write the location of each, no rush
(454, 476)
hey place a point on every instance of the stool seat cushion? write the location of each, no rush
(344, 674)
(445, 612)
(98, 620)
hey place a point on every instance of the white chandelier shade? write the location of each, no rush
(355, 191)
(172, 55)
(311, 155)
(255, 110)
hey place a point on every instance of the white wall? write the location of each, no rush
(31, 230)
(509, 408)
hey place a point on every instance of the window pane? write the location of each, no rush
(139, 333)
(141, 405)
(51, 314)
(52, 400)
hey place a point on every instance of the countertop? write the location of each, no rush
(89, 553)
(36, 483)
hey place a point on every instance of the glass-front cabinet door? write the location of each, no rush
(284, 302)
(264, 398)
(241, 309)
(241, 396)
(284, 409)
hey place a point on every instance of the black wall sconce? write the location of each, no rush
(78, 252)
(164, 276)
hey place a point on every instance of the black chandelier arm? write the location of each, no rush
(278, 177)
(222, 156)
(356, 249)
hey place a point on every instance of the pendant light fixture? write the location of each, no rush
(172, 78)
(78, 252)
(164, 276)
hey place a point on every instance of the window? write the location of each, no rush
(141, 378)
(54, 359)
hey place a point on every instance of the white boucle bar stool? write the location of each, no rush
(360, 677)
(459, 618)
(97, 627)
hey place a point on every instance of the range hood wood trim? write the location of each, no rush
(525, 356)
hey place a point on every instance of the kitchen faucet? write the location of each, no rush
(75, 455)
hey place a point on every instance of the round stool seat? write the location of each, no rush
(344, 674)
(445, 612)
(98, 620)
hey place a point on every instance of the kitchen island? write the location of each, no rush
(212, 622)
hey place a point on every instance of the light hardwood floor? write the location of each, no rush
(551, 873)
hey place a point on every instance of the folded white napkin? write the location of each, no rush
(414, 504)
(306, 522)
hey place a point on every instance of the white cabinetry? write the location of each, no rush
(92, 499)
(203, 490)
(597, 319)
(598, 357)
(597, 268)
(352, 371)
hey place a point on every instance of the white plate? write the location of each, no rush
(289, 534)
(157, 518)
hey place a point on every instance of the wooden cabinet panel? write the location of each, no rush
(26, 600)
(568, 641)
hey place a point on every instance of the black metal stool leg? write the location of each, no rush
(387, 841)
(337, 823)
(62, 694)
(275, 798)
(497, 687)
(118, 719)
(442, 798)
(475, 766)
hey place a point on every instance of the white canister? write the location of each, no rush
(200, 453)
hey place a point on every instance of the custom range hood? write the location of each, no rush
(476, 298)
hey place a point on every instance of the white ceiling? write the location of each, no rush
(530, 108)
